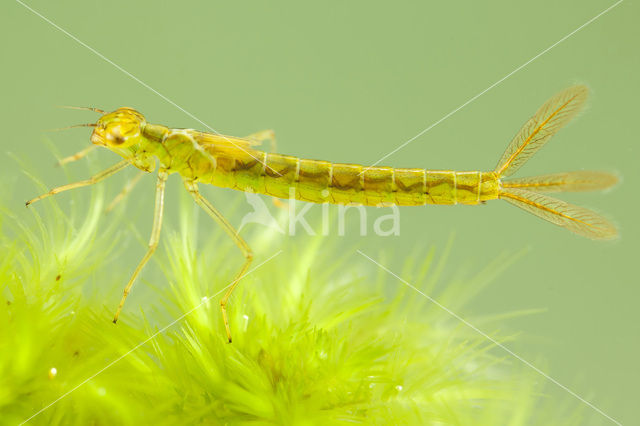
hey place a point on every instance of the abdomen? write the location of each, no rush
(323, 182)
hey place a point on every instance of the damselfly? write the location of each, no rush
(232, 162)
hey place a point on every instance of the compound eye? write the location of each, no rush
(114, 136)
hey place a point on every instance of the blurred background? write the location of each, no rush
(350, 82)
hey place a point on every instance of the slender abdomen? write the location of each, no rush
(316, 181)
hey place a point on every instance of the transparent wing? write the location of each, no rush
(224, 144)
(576, 219)
(231, 147)
(568, 181)
(550, 118)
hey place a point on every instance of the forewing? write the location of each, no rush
(221, 144)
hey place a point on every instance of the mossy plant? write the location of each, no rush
(317, 340)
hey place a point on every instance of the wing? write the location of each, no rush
(550, 118)
(576, 219)
(231, 147)
(569, 181)
(224, 144)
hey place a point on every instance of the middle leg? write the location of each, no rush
(153, 240)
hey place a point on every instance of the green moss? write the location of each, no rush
(317, 340)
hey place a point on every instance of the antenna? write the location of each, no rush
(98, 110)
(71, 127)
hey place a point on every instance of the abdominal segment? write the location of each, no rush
(317, 181)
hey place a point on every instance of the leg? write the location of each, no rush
(153, 241)
(125, 191)
(78, 155)
(246, 250)
(93, 179)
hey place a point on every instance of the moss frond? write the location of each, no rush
(317, 339)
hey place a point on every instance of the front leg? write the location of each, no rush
(78, 155)
(192, 187)
(92, 180)
(125, 191)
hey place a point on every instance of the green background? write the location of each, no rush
(349, 82)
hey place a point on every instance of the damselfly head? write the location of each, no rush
(121, 128)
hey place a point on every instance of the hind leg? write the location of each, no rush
(192, 187)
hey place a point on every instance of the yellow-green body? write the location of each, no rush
(195, 157)
(231, 162)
